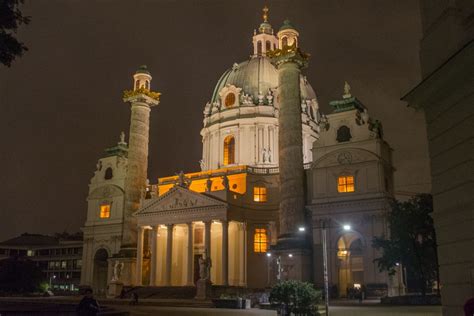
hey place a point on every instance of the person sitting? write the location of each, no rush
(88, 306)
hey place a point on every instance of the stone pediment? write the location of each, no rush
(345, 156)
(179, 199)
(106, 191)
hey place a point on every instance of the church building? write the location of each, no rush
(274, 172)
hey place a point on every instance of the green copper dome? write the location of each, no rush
(254, 76)
(287, 25)
(142, 70)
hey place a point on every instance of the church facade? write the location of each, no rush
(262, 126)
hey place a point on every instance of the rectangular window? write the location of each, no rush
(105, 211)
(260, 194)
(260, 240)
(345, 184)
(198, 235)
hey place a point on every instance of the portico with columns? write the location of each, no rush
(183, 226)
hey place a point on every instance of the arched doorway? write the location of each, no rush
(350, 254)
(100, 271)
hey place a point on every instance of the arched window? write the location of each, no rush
(343, 134)
(108, 174)
(260, 240)
(284, 41)
(259, 47)
(345, 184)
(229, 150)
(268, 46)
(147, 85)
(260, 194)
(137, 85)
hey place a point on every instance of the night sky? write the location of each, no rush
(61, 103)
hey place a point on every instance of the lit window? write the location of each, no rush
(105, 211)
(260, 241)
(229, 150)
(260, 194)
(259, 47)
(229, 100)
(345, 184)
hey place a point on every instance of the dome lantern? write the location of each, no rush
(287, 35)
(142, 78)
(264, 40)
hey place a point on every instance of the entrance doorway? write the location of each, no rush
(100, 272)
(350, 254)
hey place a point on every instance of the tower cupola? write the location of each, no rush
(287, 35)
(142, 78)
(264, 41)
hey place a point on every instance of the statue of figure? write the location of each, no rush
(264, 155)
(202, 164)
(205, 265)
(117, 271)
(260, 98)
(182, 181)
(347, 90)
(208, 185)
(122, 137)
(225, 182)
(269, 153)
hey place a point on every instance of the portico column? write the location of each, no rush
(169, 252)
(225, 253)
(153, 254)
(190, 254)
(138, 272)
(207, 240)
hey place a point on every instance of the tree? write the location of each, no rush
(412, 241)
(19, 275)
(10, 19)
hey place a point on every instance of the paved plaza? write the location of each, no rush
(375, 310)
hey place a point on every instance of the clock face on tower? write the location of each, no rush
(344, 158)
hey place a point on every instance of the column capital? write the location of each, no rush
(289, 54)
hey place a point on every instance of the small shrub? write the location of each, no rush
(299, 298)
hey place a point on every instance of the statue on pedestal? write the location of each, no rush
(204, 285)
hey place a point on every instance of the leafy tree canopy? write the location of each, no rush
(412, 240)
(19, 275)
(10, 19)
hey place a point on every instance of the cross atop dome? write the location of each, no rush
(265, 40)
(265, 13)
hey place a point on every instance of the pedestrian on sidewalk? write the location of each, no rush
(134, 300)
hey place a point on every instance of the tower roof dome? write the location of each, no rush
(256, 76)
(287, 26)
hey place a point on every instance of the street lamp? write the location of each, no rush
(301, 229)
(345, 227)
(50, 280)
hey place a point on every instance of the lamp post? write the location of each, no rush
(324, 227)
(50, 280)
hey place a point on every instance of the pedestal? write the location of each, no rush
(203, 290)
(295, 255)
(114, 289)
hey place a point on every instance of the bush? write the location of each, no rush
(299, 298)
